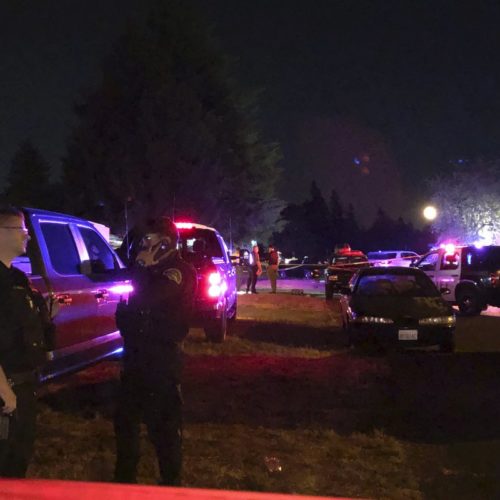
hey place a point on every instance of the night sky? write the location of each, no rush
(371, 96)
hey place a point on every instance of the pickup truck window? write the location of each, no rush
(97, 249)
(63, 253)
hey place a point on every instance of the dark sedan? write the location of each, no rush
(397, 306)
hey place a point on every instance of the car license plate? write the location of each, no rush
(333, 278)
(408, 334)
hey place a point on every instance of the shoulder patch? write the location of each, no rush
(173, 274)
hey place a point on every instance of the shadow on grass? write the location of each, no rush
(86, 398)
(291, 335)
(416, 396)
(442, 398)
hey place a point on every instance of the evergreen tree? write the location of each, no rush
(28, 178)
(318, 223)
(169, 128)
(337, 222)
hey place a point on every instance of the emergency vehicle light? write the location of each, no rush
(184, 225)
(449, 248)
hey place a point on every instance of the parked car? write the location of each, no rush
(306, 268)
(471, 274)
(216, 298)
(71, 264)
(397, 306)
(392, 258)
(341, 269)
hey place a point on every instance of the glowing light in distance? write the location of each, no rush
(430, 212)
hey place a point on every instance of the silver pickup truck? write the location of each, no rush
(71, 264)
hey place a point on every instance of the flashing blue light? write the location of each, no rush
(117, 351)
(357, 161)
(469, 259)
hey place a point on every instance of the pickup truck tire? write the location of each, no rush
(216, 329)
(469, 303)
(328, 292)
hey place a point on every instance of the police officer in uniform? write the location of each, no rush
(24, 328)
(153, 325)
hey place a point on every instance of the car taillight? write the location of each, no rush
(495, 278)
(217, 286)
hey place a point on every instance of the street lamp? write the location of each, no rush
(430, 212)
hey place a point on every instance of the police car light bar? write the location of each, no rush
(184, 225)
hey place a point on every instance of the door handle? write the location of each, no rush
(64, 299)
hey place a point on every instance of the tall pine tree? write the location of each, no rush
(169, 129)
(28, 181)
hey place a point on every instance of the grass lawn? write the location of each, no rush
(284, 407)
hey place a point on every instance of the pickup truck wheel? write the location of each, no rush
(328, 292)
(216, 329)
(469, 303)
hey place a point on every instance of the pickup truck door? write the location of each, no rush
(103, 270)
(70, 289)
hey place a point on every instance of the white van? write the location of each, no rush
(392, 258)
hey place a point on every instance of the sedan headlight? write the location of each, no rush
(438, 320)
(373, 320)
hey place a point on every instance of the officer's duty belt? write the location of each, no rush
(22, 378)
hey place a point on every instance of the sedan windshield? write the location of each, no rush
(404, 285)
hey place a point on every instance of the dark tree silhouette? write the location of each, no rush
(169, 129)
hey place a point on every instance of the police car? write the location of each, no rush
(392, 258)
(342, 266)
(470, 273)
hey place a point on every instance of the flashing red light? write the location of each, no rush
(449, 249)
(184, 225)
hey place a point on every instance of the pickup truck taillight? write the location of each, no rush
(216, 285)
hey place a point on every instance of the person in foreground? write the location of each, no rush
(25, 329)
(153, 324)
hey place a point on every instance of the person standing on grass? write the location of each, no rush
(153, 325)
(255, 270)
(25, 330)
(272, 268)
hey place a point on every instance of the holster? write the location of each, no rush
(128, 319)
(22, 378)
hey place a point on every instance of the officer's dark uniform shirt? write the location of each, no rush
(25, 323)
(157, 317)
